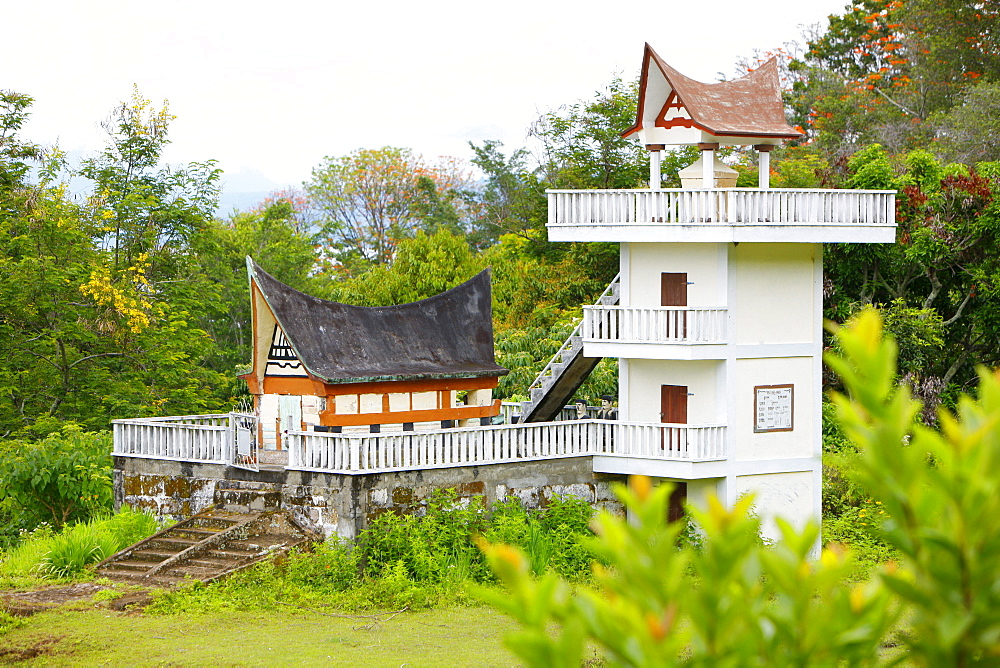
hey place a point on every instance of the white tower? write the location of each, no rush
(719, 327)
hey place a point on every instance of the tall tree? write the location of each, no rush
(940, 283)
(273, 235)
(884, 67)
(583, 145)
(98, 299)
(371, 198)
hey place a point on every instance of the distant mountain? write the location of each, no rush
(243, 189)
(230, 201)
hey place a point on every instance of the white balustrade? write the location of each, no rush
(190, 438)
(726, 206)
(204, 439)
(323, 451)
(653, 324)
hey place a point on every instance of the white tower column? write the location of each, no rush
(764, 165)
(655, 180)
(708, 163)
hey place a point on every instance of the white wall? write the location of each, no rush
(749, 373)
(705, 265)
(774, 292)
(786, 495)
(644, 378)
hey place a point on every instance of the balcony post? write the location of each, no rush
(708, 163)
(764, 165)
(655, 179)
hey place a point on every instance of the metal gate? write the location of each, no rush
(244, 430)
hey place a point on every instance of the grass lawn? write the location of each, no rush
(91, 636)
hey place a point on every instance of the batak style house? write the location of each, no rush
(715, 319)
(332, 367)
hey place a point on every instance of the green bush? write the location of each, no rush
(735, 602)
(330, 566)
(405, 560)
(859, 529)
(439, 545)
(64, 478)
(77, 546)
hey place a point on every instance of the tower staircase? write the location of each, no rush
(566, 371)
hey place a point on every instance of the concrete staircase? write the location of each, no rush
(211, 544)
(565, 372)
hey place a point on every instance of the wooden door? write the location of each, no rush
(673, 410)
(678, 497)
(674, 292)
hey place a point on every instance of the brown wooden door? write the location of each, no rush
(678, 497)
(674, 404)
(674, 292)
(673, 409)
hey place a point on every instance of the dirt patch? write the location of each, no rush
(27, 603)
(38, 648)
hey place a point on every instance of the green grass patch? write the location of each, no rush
(282, 636)
(46, 554)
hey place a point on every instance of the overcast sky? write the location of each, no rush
(269, 88)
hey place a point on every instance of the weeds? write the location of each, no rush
(45, 553)
(412, 561)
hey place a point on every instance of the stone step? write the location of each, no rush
(151, 555)
(213, 524)
(129, 565)
(258, 543)
(197, 534)
(213, 552)
(189, 570)
(208, 562)
(170, 543)
(231, 553)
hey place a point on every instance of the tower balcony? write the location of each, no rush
(719, 215)
(654, 332)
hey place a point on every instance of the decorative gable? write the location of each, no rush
(676, 110)
(282, 362)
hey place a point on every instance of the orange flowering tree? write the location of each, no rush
(884, 67)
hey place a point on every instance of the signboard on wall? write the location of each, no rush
(773, 406)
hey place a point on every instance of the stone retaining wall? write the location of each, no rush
(344, 504)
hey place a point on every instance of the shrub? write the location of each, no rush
(736, 602)
(76, 547)
(438, 546)
(330, 566)
(63, 478)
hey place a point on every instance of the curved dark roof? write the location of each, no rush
(449, 335)
(750, 106)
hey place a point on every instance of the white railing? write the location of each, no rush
(726, 206)
(654, 324)
(558, 362)
(189, 438)
(323, 451)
